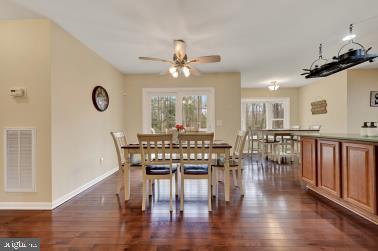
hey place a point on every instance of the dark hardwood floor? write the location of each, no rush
(276, 213)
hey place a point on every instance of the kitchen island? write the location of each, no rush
(343, 168)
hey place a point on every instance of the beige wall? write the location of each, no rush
(360, 83)
(81, 134)
(291, 93)
(25, 62)
(334, 90)
(227, 99)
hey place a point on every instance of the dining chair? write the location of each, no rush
(235, 162)
(252, 146)
(157, 168)
(195, 160)
(120, 141)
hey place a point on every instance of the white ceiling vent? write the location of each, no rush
(20, 160)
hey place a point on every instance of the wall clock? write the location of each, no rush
(100, 98)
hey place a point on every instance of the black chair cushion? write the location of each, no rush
(194, 169)
(160, 169)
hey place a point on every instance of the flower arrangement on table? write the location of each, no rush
(180, 128)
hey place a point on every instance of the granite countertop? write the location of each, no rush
(341, 136)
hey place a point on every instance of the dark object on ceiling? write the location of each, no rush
(352, 57)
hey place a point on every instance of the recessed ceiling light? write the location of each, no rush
(350, 35)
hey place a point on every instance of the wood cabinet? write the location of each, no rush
(344, 171)
(359, 176)
(329, 166)
(308, 168)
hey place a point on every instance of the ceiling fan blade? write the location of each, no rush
(156, 59)
(194, 71)
(180, 49)
(206, 59)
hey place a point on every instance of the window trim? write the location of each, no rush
(269, 119)
(179, 93)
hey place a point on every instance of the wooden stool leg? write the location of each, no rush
(209, 192)
(234, 177)
(176, 183)
(182, 193)
(144, 193)
(170, 194)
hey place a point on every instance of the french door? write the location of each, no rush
(164, 108)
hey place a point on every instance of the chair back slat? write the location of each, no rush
(156, 149)
(119, 139)
(196, 148)
(239, 144)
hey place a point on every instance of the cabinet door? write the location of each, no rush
(329, 167)
(359, 175)
(308, 153)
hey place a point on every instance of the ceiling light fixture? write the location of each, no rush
(175, 74)
(350, 35)
(186, 71)
(172, 69)
(274, 86)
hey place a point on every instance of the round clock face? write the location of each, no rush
(100, 98)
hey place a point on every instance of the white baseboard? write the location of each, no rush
(25, 205)
(82, 188)
(57, 202)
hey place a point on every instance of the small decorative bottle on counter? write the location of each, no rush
(372, 130)
(364, 129)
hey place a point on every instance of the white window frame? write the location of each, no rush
(284, 100)
(179, 93)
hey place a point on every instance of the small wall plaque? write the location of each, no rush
(374, 98)
(319, 107)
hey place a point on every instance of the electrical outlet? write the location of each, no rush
(101, 160)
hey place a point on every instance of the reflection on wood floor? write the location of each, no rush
(276, 213)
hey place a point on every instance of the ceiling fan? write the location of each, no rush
(180, 62)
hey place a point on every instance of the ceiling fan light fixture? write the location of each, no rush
(274, 86)
(172, 69)
(186, 71)
(175, 74)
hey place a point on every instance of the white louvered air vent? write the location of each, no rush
(20, 160)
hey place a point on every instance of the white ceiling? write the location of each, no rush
(11, 10)
(264, 40)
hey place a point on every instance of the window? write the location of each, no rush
(194, 112)
(163, 112)
(265, 113)
(164, 108)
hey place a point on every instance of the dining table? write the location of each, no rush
(219, 148)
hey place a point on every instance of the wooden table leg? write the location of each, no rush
(126, 176)
(227, 175)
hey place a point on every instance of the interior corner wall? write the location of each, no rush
(80, 133)
(25, 62)
(360, 83)
(227, 99)
(333, 89)
(292, 93)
